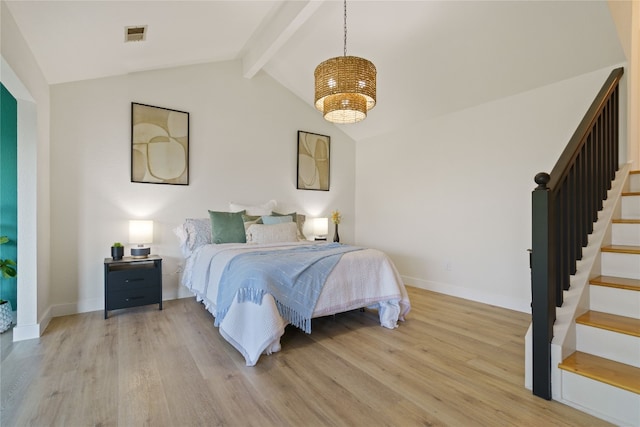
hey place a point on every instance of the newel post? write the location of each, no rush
(542, 286)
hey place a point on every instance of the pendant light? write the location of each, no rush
(345, 86)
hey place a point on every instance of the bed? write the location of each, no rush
(233, 281)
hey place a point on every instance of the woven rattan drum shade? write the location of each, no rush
(345, 88)
(345, 108)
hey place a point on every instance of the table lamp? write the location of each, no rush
(320, 228)
(140, 234)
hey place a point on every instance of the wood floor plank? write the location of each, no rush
(334, 380)
(96, 399)
(16, 382)
(453, 362)
(141, 397)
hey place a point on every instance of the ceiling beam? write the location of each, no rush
(270, 37)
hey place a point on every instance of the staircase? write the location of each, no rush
(602, 376)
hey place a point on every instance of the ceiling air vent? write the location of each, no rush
(135, 34)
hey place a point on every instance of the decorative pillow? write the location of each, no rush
(192, 234)
(275, 233)
(299, 219)
(198, 232)
(270, 220)
(264, 209)
(227, 227)
(181, 232)
(251, 219)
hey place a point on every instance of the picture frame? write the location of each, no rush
(159, 145)
(314, 161)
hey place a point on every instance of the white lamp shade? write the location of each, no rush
(140, 231)
(320, 226)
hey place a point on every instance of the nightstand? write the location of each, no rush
(131, 282)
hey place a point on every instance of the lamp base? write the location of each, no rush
(140, 252)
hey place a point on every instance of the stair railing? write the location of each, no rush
(565, 205)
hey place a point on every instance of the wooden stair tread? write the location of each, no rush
(616, 282)
(631, 193)
(622, 249)
(611, 322)
(635, 172)
(626, 221)
(617, 374)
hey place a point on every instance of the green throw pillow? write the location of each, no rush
(227, 227)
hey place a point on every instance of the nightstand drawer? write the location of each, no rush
(133, 298)
(138, 278)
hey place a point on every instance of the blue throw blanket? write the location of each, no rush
(294, 277)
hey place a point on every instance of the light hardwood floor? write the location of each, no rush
(453, 362)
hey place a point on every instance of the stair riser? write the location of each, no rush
(608, 344)
(620, 265)
(625, 234)
(631, 207)
(611, 403)
(622, 302)
(634, 182)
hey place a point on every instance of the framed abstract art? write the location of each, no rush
(159, 145)
(313, 161)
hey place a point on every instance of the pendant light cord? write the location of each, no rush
(345, 27)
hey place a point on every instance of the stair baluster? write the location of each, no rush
(565, 205)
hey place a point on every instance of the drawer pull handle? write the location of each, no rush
(134, 280)
(132, 298)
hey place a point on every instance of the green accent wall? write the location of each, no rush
(8, 188)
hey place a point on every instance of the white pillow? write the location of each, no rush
(274, 233)
(264, 209)
(194, 233)
(183, 236)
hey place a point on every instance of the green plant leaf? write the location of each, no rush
(4, 239)
(7, 268)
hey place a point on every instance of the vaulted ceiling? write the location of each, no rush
(432, 57)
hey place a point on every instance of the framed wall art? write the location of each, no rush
(159, 145)
(313, 161)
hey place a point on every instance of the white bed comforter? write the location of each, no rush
(364, 278)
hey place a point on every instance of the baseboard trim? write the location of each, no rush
(85, 306)
(26, 332)
(34, 330)
(469, 294)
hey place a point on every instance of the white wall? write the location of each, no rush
(22, 76)
(450, 199)
(626, 16)
(243, 142)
